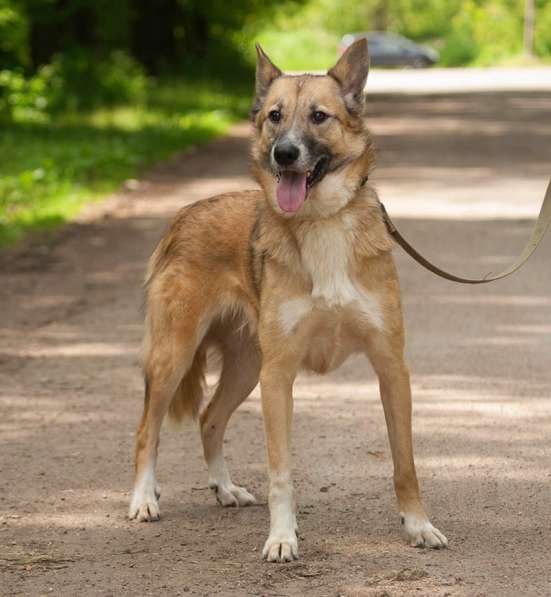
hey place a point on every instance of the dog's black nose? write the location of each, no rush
(286, 153)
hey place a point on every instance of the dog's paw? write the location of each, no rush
(144, 508)
(231, 495)
(421, 533)
(280, 548)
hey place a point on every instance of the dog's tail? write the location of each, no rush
(188, 396)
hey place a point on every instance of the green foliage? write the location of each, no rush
(476, 32)
(29, 99)
(424, 19)
(14, 28)
(73, 81)
(48, 170)
(300, 48)
(78, 112)
(89, 82)
(459, 48)
(496, 29)
(542, 42)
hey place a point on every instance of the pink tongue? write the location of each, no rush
(291, 191)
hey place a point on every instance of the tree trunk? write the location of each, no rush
(529, 25)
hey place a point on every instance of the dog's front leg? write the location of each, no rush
(276, 384)
(386, 355)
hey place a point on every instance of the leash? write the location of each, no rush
(541, 225)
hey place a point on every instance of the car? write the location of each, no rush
(389, 49)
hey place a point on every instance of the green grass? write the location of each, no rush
(49, 171)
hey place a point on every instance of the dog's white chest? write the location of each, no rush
(325, 254)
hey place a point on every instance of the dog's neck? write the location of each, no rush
(359, 225)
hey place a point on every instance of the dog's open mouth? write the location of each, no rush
(293, 187)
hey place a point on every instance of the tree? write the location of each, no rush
(529, 26)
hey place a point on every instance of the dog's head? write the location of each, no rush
(311, 148)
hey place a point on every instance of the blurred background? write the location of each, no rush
(92, 91)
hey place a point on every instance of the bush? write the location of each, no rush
(542, 41)
(48, 171)
(460, 47)
(89, 82)
(29, 99)
(300, 49)
(73, 81)
(14, 29)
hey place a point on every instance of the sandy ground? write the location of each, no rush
(465, 172)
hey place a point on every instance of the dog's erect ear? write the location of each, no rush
(350, 72)
(266, 72)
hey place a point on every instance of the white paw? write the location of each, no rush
(281, 548)
(421, 533)
(228, 494)
(144, 507)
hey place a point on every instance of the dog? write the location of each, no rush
(299, 274)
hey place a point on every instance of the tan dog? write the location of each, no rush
(298, 275)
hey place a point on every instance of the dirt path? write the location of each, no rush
(480, 359)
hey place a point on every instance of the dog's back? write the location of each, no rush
(202, 270)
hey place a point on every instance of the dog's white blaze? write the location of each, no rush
(292, 311)
(325, 256)
(294, 137)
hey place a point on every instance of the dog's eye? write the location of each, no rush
(275, 115)
(318, 117)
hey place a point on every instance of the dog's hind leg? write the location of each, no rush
(239, 376)
(173, 367)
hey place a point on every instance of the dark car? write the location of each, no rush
(389, 49)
